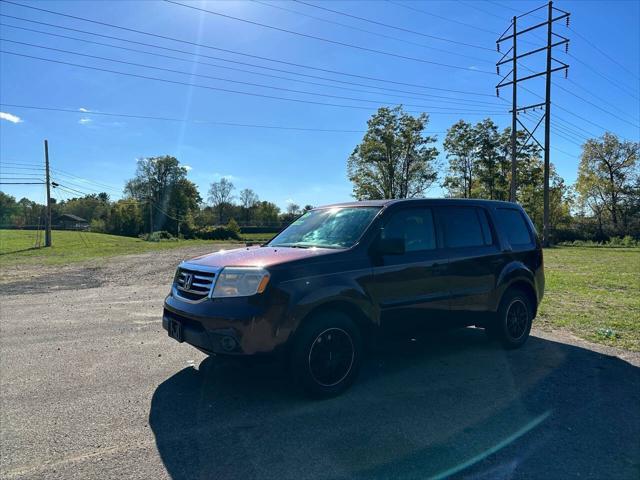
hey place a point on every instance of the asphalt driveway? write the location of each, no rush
(91, 387)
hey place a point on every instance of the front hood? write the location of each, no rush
(258, 256)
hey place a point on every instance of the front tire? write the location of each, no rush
(513, 320)
(326, 354)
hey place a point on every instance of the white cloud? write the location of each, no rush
(289, 201)
(219, 176)
(473, 67)
(84, 121)
(188, 168)
(10, 117)
(82, 109)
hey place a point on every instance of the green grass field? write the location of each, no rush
(592, 292)
(16, 247)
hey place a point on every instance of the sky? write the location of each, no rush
(240, 69)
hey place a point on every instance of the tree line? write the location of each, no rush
(395, 159)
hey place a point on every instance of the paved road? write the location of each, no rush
(91, 387)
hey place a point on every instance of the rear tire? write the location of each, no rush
(326, 354)
(512, 324)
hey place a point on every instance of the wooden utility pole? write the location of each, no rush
(47, 233)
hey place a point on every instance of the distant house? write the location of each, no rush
(67, 221)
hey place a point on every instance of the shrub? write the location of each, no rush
(217, 233)
(233, 226)
(98, 225)
(159, 236)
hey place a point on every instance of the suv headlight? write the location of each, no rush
(240, 282)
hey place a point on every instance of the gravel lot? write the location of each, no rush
(91, 387)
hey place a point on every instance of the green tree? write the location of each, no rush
(267, 213)
(126, 218)
(460, 145)
(159, 182)
(221, 196)
(395, 158)
(607, 176)
(489, 164)
(8, 209)
(248, 201)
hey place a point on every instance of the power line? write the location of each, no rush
(95, 190)
(22, 164)
(252, 84)
(570, 112)
(336, 42)
(187, 42)
(596, 106)
(182, 120)
(602, 52)
(22, 183)
(619, 86)
(441, 17)
(375, 22)
(597, 72)
(452, 100)
(370, 32)
(208, 87)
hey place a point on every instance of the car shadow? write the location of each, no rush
(451, 406)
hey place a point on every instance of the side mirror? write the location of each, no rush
(390, 246)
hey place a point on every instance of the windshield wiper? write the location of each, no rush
(291, 245)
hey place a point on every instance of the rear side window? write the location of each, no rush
(465, 227)
(415, 226)
(513, 226)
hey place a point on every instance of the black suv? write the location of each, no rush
(344, 275)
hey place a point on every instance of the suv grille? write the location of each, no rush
(194, 284)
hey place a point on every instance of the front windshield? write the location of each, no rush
(327, 228)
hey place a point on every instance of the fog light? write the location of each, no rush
(228, 343)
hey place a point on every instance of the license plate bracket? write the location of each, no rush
(175, 330)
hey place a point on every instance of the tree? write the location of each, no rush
(8, 209)
(488, 165)
(155, 185)
(267, 213)
(293, 209)
(460, 146)
(183, 203)
(125, 218)
(248, 201)
(395, 159)
(221, 195)
(607, 175)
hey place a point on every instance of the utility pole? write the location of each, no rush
(512, 78)
(547, 128)
(514, 117)
(47, 234)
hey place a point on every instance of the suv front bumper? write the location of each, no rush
(234, 326)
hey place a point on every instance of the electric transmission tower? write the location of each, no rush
(552, 65)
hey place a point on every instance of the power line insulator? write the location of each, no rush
(498, 92)
(498, 69)
(498, 47)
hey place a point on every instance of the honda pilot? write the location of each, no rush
(343, 277)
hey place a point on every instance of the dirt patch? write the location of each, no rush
(153, 268)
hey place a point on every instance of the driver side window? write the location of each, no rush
(415, 226)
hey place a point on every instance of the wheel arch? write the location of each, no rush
(525, 287)
(352, 310)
